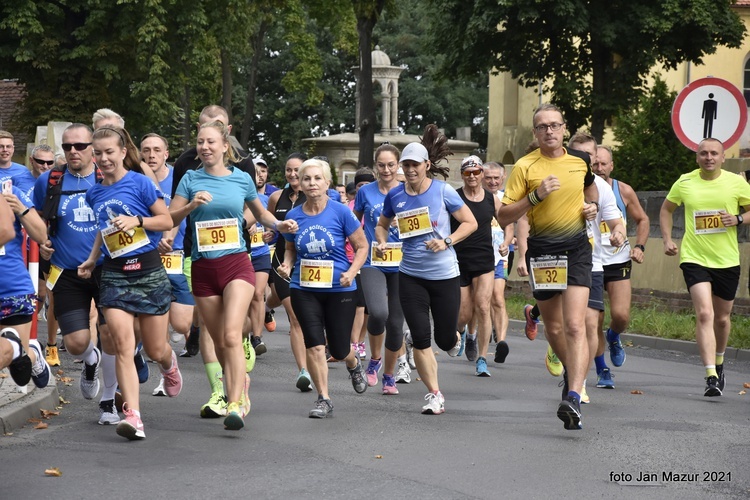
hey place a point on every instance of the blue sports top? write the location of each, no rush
(369, 202)
(322, 237)
(21, 177)
(229, 194)
(18, 280)
(441, 200)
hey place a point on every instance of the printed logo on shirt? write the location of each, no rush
(317, 241)
(83, 220)
(401, 204)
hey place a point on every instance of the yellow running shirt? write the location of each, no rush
(706, 241)
(559, 216)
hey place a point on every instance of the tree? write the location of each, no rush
(650, 157)
(594, 56)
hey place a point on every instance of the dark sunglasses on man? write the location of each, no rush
(79, 146)
(43, 162)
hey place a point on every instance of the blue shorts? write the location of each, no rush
(500, 270)
(180, 289)
(596, 293)
(262, 263)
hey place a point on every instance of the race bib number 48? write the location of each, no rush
(119, 242)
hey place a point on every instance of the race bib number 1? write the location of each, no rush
(316, 273)
(413, 223)
(221, 234)
(708, 222)
(549, 273)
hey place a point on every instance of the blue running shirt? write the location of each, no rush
(18, 280)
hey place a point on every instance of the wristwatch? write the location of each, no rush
(448, 241)
(643, 248)
(739, 219)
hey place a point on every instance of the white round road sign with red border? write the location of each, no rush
(709, 107)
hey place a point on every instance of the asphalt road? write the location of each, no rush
(499, 437)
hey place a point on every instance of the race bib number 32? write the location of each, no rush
(549, 273)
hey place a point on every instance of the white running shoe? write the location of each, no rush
(435, 404)
(403, 373)
(159, 390)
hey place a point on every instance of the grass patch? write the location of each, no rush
(655, 321)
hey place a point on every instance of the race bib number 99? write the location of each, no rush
(220, 234)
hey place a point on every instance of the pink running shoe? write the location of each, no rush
(373, 368)
(172, 378)
(361, 350)
(130, 427)
(389, 385)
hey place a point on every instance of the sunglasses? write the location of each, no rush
(474, 173)
(79, 146)
(43, 162)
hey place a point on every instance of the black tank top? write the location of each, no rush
(475, 252)
(283, 205)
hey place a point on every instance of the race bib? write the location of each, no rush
(708, 222)
(549, 272)
(172, 262)
(316, 273)
(220, 234)
(257, 238)
(391, 257)
(413, 223)
(54, 275)
(119, 242)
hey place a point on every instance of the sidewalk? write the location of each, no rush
(16, 407)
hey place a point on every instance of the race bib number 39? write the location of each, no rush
(220, 234)
(391, 257)
(549, 273)
(708, 221)
(316, 273)
(413, 223)
(119, 242)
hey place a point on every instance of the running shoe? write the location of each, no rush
(323, 408)
(712, 387)
(159, 390)
(585, 399)
(501, 351)
(90, 377)
(720, 375)
(389, 385)
(20, 368)
(403, 373)
(530, 329)
(482, 370)
(172, 378)
(192, 344)
(258, 345)
(247, 347)
(616, 351)
(435, 404)
(471, 348)
(361, 350)
(457, 349)
(131, 427)
(604, 379)
(554, 366)
(40, 371)
(45, 307)
(269, 321)
(569, 412)
(107, 413)
(357, 374)
(304, 382)
(409, 345)
(216, 406)
(140, 365)
(234, 420)
(373, 368)
(52, 356)
(462, 345)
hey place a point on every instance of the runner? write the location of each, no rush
(428, 273)
(132, 216)
(323, 287)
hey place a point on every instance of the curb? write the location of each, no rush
(16, 414)
(683, 346)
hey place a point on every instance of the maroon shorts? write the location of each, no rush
(211, 276)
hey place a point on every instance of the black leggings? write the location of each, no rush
(383, 305)
(419, 298)
(324, 315)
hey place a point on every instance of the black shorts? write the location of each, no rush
(360, 293)
(596, 294)
(618, 272)
(724, 282)
(43, 267)
(467, 277)
(578, 253)
(73, 296)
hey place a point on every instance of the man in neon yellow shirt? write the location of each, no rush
(710, 257)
